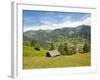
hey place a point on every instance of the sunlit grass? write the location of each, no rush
(76, 60)
(30, 51)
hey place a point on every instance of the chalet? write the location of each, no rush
(53, 53)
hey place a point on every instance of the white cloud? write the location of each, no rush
(87, 21)
(67, 23)
(70, 24)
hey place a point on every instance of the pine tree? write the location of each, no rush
(52, 46)
(61, 49)
(85, 48)
(35, 43)
(66, 48)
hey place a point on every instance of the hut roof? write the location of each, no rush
(53, 53)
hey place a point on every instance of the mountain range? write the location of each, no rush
(58, 36)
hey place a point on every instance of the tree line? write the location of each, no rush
(66, 49)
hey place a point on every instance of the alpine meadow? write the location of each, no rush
(54, 39)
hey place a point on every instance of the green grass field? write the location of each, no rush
(37, 59)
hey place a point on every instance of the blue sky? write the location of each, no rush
(35, 20)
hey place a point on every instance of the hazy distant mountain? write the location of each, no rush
(58, 35)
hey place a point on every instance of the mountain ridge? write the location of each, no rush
(59, 35)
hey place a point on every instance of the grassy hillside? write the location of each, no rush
(76, 60)
(30, 51)
(37, 59)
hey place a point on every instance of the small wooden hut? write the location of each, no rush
(53, 53)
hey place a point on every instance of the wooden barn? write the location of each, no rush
(53, 53)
